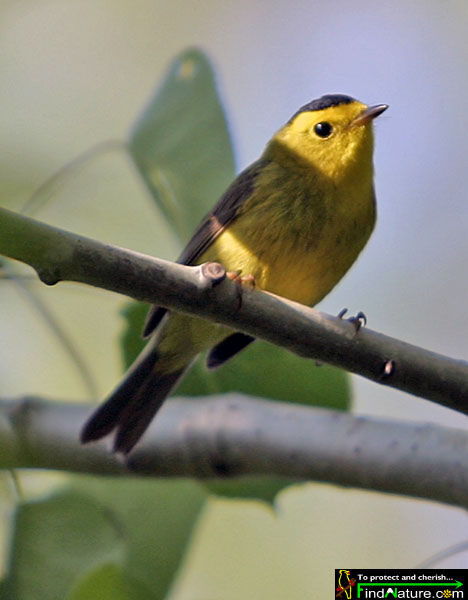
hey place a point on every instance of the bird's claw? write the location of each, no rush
(358, 321)
(241, 281)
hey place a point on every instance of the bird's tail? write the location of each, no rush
(132, 405)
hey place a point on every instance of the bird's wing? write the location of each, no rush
(222, 214)
(210, 228)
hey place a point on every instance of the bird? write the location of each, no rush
(293, 222)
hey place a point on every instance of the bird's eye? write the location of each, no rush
(323, 129)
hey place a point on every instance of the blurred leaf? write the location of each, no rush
(181, 144)
(133, 532)
(56, 539)
(269, 371)
(157, 519)
(108, 582)
(253, 488)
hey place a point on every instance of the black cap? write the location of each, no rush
(323, 102)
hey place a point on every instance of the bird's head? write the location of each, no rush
(332, 135)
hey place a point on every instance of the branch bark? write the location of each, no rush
(232, 435)
(58, 255)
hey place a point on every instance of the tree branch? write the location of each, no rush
(58, 255)
(232, 435)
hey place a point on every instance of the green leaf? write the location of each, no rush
(156, 517)
(132, 532)
(109, 582)
(181, 144)
(254, 488)
(56, 539)
(272, 372)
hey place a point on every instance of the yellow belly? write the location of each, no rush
(301, 272)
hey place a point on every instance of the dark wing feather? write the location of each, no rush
(153, 318)
(222, 214)
(227, 349)
(209, 229)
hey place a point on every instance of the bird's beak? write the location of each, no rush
(368, 114)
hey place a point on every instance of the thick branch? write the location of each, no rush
(232, 435)
(59, 255)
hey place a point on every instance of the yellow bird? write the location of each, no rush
(295, 220)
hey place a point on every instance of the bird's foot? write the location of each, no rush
(358, 320)
(241, 281)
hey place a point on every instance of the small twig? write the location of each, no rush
(44, 192)
(67, 344)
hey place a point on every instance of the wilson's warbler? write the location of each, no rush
(295, 220)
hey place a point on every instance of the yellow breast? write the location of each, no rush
(291, 257)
